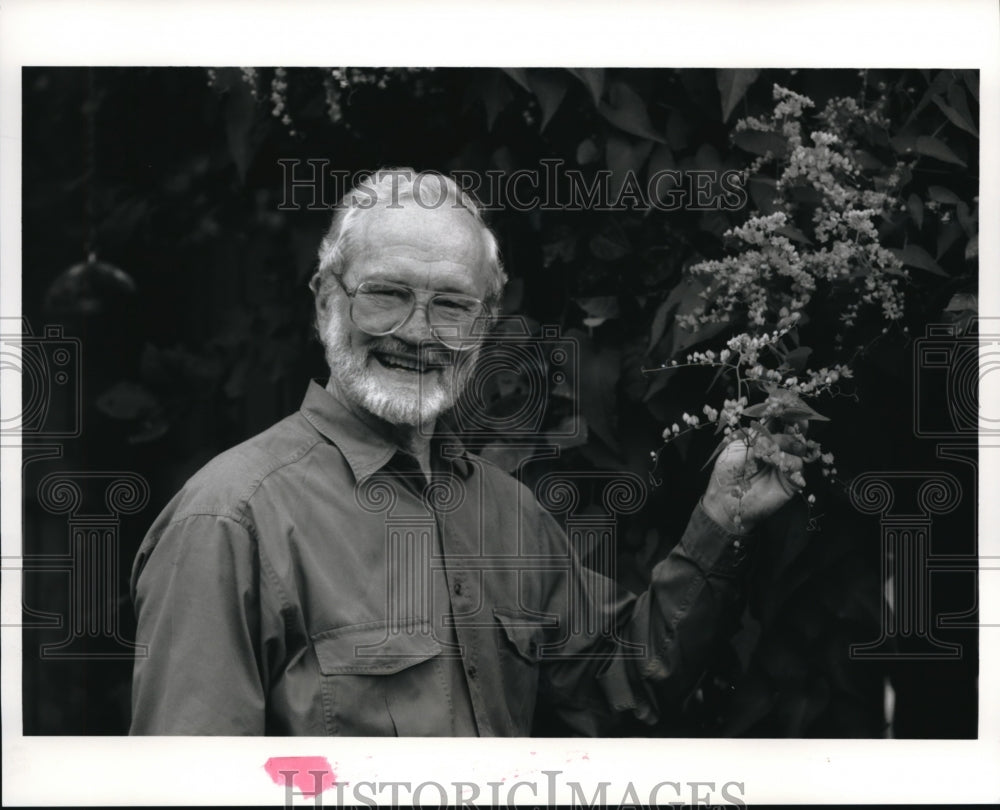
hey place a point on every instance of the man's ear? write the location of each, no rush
(322, 302)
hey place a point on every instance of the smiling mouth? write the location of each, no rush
(399, 362)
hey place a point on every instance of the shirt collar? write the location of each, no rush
(365, 448)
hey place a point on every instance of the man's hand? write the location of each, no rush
(754, 478)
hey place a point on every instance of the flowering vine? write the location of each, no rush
(818, 241)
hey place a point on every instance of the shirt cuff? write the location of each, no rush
(714, 548)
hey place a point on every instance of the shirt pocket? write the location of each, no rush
(520, 635)
(381, 682)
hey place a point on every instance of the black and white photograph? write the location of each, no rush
(634, 411)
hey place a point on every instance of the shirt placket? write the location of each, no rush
(459, 531)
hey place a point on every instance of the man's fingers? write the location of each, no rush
(790, 443)
(789, 468)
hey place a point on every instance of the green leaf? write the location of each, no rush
(707, 157)
(126, 401)
(937, 149)
(563, 249)
(689, 300)
(504, 159)
(519, 75)
(763, 192)
(936, 86)
(684, 340)
(972, 248)
(751, 703)
(796, 359)
(951, 232)
(952, 114)
(733, 84)
(513, 296)
(593, 80)
(598, 388)
(662, 159)
(660, 320)
(627, 111)
(867, 161)
(793, 233)
(570, 432)
(609, 247)
(971, 78)
(943, 195)
(660, 380)
(506, 456)
(916, 256)
(601, 306)
(241, 108)
(960, 104)
(239, 377)
(496, 96)
(904, 143)
(678, 130)
(789, 406)
(625, 160)
(757, 142)
(587, 152)
(916, 208)
(963, 302)
(969, 220)
(551, 90)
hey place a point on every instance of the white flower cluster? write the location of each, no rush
(279, 97)
(776, 270)
(249, 75)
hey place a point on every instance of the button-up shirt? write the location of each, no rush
(312, 581)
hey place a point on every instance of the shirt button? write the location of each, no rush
(472, 672)
(458, 589)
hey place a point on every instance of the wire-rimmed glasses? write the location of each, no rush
(382, 307)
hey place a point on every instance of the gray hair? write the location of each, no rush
(388, 187)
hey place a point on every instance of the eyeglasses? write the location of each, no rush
(382, 307)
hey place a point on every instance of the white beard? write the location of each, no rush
(363, 381)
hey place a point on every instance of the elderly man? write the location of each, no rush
(354, 571)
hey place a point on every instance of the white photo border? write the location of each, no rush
(716, 33)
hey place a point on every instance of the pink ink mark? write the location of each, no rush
(312, 775)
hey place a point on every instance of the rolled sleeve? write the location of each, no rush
(695, 593)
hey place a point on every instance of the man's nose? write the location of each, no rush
(417, 326)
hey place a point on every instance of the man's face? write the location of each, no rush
(440, 249)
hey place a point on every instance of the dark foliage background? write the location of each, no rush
(203, 335)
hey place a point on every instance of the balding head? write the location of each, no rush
(377, 196)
